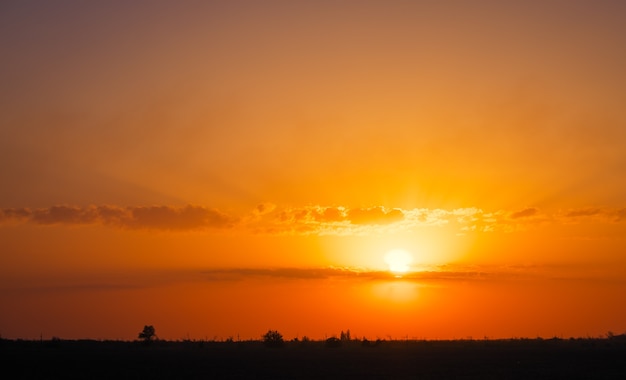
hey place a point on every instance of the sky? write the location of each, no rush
(218, 169)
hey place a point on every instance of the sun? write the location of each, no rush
(398, 260)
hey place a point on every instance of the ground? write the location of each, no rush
(461, 359)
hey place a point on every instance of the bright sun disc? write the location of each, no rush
(398, 260)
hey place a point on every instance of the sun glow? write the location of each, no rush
(398, 260)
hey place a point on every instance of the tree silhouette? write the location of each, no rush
(148, 334)
(345, 336)
(272, 338)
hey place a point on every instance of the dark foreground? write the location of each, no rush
(501, 359)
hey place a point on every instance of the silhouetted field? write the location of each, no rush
(460, 359)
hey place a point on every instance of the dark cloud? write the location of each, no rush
(112, 215)
(168, 218)
(292, 273)
(525, 213)
(287, 273)
(620, 214)
(64, 215)
(151, 217)
(14, 214)
(583, 212)
(264, 208)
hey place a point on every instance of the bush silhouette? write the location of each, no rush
(148, 334)
(333, 342)
(272, 338)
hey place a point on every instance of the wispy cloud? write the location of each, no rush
(423, 274)
(440, 274)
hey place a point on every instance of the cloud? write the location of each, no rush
(64, 215)
(295, 273)
(149, 279)
(379, 220)
(264, 208)
(151, 217)
(352, 221)
(424, 275)
(284, 273)
(374, 215)
(620, 214)
(16, 214)
(525, 213)
(598, 215)
(583, 212)
(440, 273)
(168, 218)
(268, 218)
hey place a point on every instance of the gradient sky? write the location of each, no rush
(222, 168)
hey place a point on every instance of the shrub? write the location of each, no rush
(272, 338)
(333, 342)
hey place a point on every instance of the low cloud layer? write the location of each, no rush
(310, 220)
(423, 275)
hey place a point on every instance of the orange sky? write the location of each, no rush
(218, 169)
